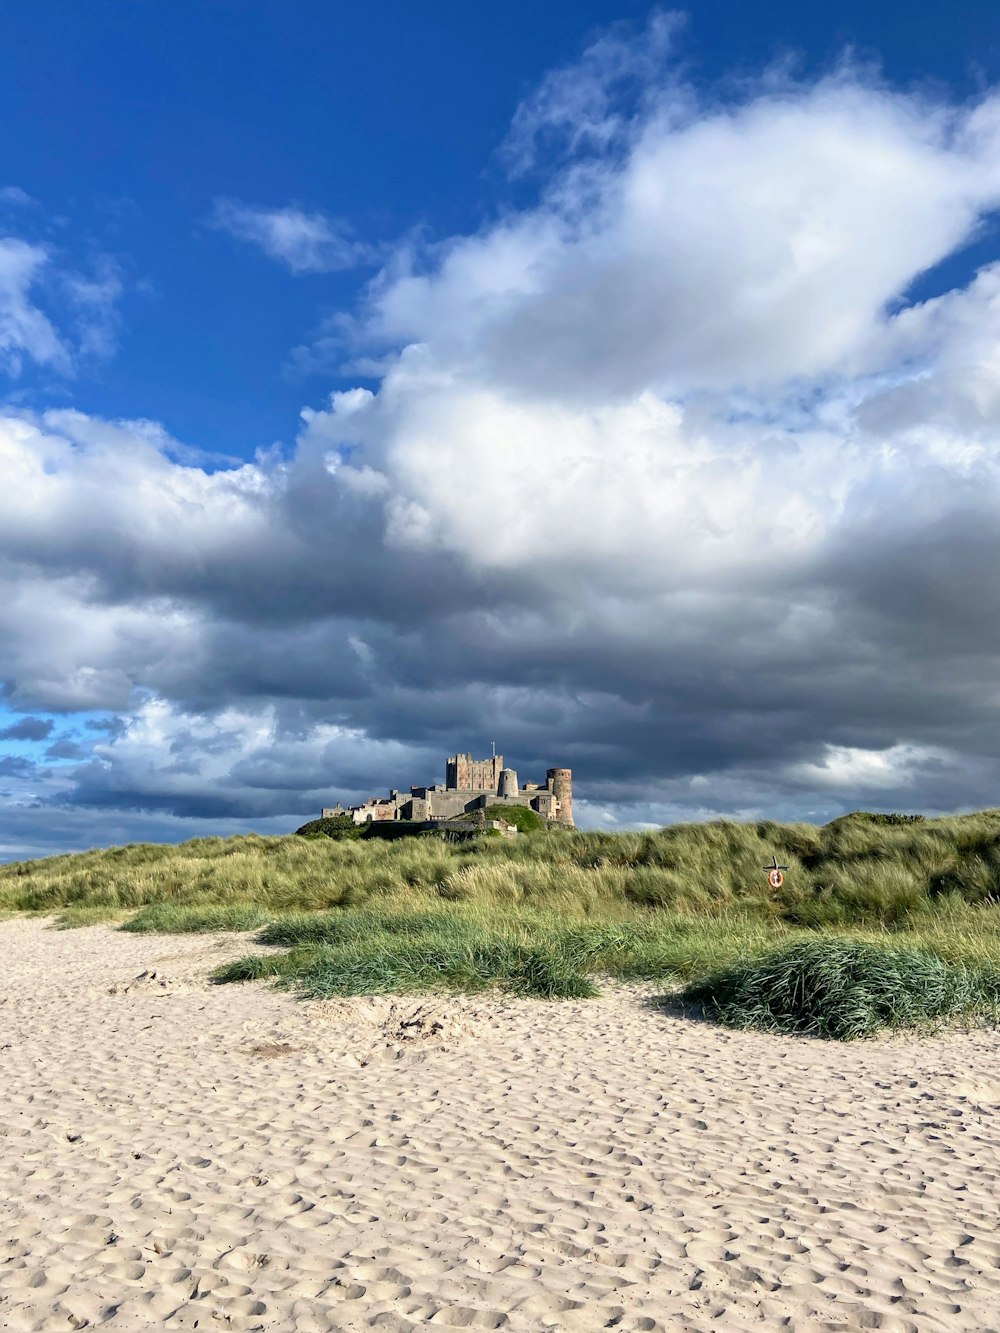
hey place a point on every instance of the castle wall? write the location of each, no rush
(448, 804)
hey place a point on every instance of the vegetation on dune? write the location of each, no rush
(547, 912)
(332, 826)
(521, 817)
(844, 989)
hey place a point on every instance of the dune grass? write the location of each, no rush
(844, 989)
(458, 948)
(851, 872)
(549, 912)
(185, 919)
(351, 951)
(472, 948)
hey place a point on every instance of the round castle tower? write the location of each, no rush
(560, 781)
(508, 782)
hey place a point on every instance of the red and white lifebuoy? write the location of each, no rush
(775, 878)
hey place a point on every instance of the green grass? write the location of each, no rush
(550, 912)
(357, 951)
(371, 951)
(179, 919)
(844, 989)
(71, 918)
(520, 816)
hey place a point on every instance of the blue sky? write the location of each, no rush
(133, 118)
(510, 240)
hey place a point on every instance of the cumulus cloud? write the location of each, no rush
(238, 761)
(663, 479)
(304, 242)
(736, 248)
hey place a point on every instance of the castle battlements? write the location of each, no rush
(469, 785)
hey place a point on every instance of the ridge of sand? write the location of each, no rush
(174, 1155)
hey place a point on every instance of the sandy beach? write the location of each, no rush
(176, 1155)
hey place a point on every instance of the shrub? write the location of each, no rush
(842, 989)
(874, 817)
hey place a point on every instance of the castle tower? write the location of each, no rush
(560, 783)
(508, 782)
(463, 773)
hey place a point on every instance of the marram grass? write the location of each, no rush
(853, 872)
(844, 989)
(177, 919)
(551, 912)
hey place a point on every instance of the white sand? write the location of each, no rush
(178, 1156)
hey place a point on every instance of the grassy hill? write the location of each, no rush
(548, 912)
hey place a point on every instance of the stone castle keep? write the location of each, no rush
(469, 785)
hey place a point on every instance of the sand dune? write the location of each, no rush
(177, 1156)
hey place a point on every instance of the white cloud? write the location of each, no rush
(51, 314)
(852, 768)
(13, 194)
(730, 248)
(167, 758)
(578, 107)
(305, 242)
(25, 332)
(92, 493)
(94, 303)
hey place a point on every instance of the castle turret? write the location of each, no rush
(560, 783)
(508, 782)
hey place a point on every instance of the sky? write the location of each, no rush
(618, 384)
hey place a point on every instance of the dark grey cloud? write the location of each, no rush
(65, 748)
(109, 724)
(16, 766)
(28, 729)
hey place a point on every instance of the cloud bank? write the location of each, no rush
(665, 477)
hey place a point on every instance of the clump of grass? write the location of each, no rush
(844, 989)
(341, 927)
(173, 919)
(71, 918)
(261, 967)
(426, 964)
(368, 951)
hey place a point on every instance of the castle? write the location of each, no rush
(469, 785)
